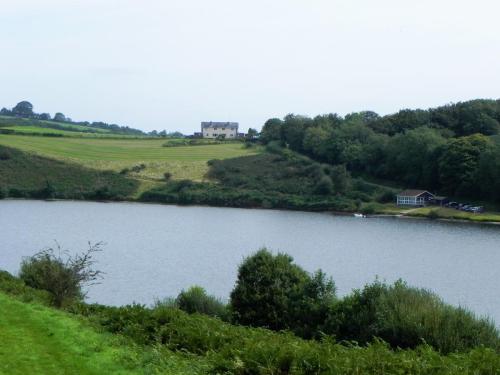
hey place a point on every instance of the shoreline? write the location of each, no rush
(336, 213)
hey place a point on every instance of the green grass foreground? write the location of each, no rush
(35, 339)
(39, 340)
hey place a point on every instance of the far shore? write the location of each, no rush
(398, 215)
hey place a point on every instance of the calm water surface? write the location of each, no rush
(154, 251)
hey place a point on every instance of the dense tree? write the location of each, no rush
(488, 174)
(271, 131)
(443, 149)
(458, 164)
(271, 291)
(44, 116)
(59, 117)
(294, 129)
(5, 112)
(23, 109)
(252, 133)
(411, 157)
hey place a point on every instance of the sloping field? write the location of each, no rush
(66, 132)
(183, 162)
(8, 121)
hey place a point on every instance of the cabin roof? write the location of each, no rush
(413, 193)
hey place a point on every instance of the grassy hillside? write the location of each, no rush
(21, 123)
(38, 340)
(183, 162)
(24, 175)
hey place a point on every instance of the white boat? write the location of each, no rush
(359, 215)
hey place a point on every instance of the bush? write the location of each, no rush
(368, 209)
(167, 176)
(5, 155)
(231, 349)
(386, 196)
(14, 286)
(433, 214)
(62, 275)
(3, 194)
(138, 168)
(273, 292)
(406, 317)
(196, 300)
(324, 186)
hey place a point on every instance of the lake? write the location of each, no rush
(154, 251)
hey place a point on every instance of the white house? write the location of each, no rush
(210, 129)
(414, 198)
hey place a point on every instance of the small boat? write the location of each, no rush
(359, 215)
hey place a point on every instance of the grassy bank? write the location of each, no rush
(449, 213)
(39, 340)
(435, 212)
(96, 339)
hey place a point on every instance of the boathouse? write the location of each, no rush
(414, 198)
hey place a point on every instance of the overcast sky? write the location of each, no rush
(169, 64)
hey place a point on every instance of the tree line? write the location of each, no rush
(24, 109)
(453, 149)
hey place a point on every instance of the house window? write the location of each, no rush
(223, 128)
(214, 135)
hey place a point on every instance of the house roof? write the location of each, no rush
(210, 124)
(413, 193)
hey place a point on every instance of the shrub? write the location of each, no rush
(324, 186)
(138, 168)
(62, 275)
(3, 194)
(433, 214)
(5, 155)
(368, 209)
(14, 286)
(17, 193)
(231, 349)
(196, 300)
(273, 292)
(274, 147)
(167, 176)
(406, 317)
(387, 196)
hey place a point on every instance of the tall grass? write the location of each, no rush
(407, 317)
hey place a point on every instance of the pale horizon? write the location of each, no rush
(170, 65)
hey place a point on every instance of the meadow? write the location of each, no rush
(15, 122)
(182, 162)
(69, 132)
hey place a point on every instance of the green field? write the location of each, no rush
(8, 121)
(37, 130)
(38, 340)
(183, 162)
